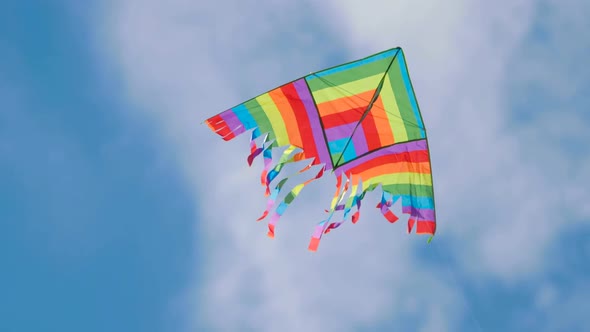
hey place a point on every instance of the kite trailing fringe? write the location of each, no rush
(271, 171)
(384, 206)
(350, 208)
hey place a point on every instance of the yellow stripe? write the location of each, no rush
(366, 184)
(286, 154)
(275, 118)
(288, 114)
(348, 89)
(339, 194)
(395, 118)
(297, 189)
(403, 178)
(352, 195)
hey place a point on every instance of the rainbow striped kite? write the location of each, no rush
(359, 120)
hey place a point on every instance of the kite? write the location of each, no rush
(359, 121)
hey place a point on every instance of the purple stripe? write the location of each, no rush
(358, 139)
(424, 214)
(339, 132)
(393, 149)
(233, 122)
(314, 121)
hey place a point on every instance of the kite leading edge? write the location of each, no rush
(359, 120)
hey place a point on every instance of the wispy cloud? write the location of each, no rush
(184, 61)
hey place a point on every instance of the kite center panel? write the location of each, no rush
(366, 105)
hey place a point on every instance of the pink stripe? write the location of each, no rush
(319, 229)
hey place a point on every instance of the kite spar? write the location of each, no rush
(359, 121)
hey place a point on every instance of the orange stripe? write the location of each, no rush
(345, 103)
(286, 111)
(382, 123)
(401, 167)
(371, 134)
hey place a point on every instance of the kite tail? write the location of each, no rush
(289, 198)
(322, 225)
(273, 196)
(255, 150)
(272, 175)
(286, 158)
(350, 203)
(267, 154)
(385, 204)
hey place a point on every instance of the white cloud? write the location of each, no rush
(184, 61)
(492, 193)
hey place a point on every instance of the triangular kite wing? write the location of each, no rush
(359, 120)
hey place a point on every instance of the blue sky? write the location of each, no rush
(120, 211)
(97, 224)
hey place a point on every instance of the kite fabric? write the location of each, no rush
(361, 122)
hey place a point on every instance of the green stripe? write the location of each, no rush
(350, 75)
(335, 156)
(403, 102)
(410, 189)
(261, 119)
(348, 89)
(289, 198)
(282, 183)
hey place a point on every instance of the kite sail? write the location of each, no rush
(359, 121)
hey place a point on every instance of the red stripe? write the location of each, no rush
(218, 124)
(390, 216)
(426, 227)
(411, 223)
(313, 244)
(303, 124)
(371, 134)
(411, 157)
(338, 119)
(355, 217)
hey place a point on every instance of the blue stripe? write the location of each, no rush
(406, 78)
(244, 116)
(337, 145)
(255, 132)
(355, 64)
(419, 202)
(281, 208)
(350, 153)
